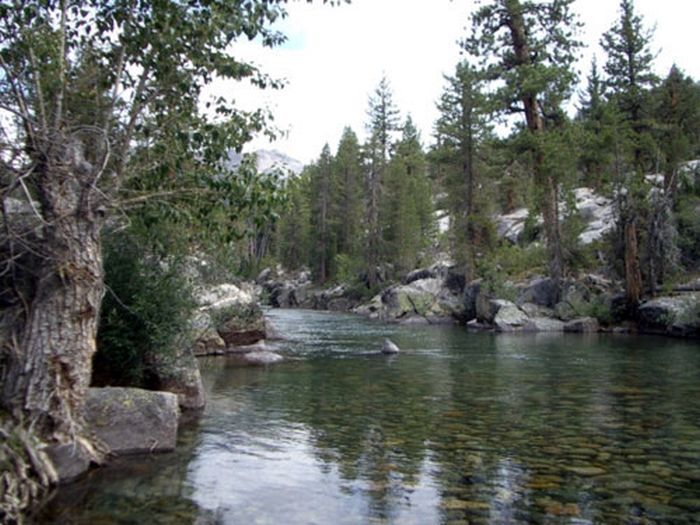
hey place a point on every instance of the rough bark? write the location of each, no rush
(633, 274)
(373, 228)
(535, 123)
(49, 367)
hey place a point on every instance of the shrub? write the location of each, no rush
(146, 307)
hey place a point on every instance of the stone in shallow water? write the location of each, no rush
(557, 508)
(389, 347)
(460, 504)
(586, 471)
(692, 505)
(262, 358)
(131, 420)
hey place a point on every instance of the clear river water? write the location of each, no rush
(463, 428)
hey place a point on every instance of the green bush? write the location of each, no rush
(146, 307)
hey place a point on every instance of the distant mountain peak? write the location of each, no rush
(269, 160)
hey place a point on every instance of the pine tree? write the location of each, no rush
(630, 76)
(324, 243)
(347, 198)
(598, 121)
(629, 70)
(528, 50)
(382, 125)
(293, 244)
(407, 207)
(459, 129)
(677, 116)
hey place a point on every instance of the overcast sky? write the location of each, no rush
(335, 57)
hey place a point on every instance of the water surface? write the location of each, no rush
(458, 428)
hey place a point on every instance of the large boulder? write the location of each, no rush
(678, 315)
(177, 372)
(131, 420)
(421, 301)
(241, 326)
(542, 291)
(228, 315)
(510, 318)
(487, 308)
(511, 226)
(597, 213)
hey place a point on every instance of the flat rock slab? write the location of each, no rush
(133, 421)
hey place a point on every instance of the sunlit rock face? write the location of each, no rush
(595, 211)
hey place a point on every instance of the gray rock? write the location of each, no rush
(69, 460)
(597, 213)
(678, 315)
(241, 326)
(131, 420)
(487, 308)
(261, 358)
(389, 347)
(422, 298)
(510, 318)
(583, 325)
(511, 226)
(533, 310)
(178, 372)
(543, 324)
(541, 291)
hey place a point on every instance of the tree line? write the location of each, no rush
(368, 213)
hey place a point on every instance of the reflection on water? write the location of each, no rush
(458, 428)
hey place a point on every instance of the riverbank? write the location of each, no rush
(440, 295)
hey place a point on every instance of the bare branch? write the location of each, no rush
(21, 102)
(36, 73)
(118, 72)
(60, 94)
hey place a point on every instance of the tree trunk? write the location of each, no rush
(49, 368)
(633, 274)
(546, 182)
(373, 228)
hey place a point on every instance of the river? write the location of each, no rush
(458, 428)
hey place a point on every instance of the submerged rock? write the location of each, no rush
(261, 358)
(389, 347)
(132, 420)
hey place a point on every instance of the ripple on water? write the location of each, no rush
(458, 428)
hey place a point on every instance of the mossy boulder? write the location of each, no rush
(132, 420)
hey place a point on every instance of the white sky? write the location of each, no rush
(335, 57)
